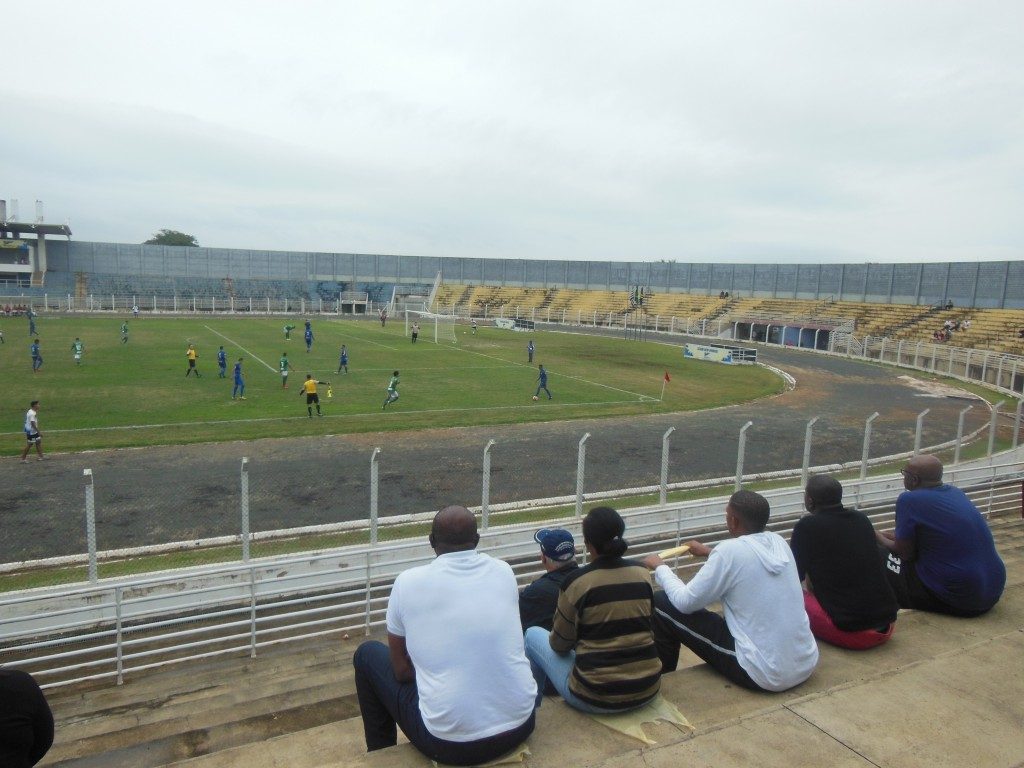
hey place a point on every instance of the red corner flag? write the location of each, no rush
(667, 377)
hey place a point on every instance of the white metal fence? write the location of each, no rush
(105, 632)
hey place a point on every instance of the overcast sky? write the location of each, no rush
(875, 130)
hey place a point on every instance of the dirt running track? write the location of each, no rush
(176, 493)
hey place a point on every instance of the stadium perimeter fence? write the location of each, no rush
(107, 631)
(81, 527)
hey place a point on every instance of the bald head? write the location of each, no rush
(454, 530)
(924, 471)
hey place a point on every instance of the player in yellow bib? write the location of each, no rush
(312, 398)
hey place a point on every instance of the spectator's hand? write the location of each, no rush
(651, 562)
(699, 550)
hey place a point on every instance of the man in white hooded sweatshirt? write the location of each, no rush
(765, 641)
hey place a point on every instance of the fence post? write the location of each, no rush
(739, 454)
(245, 509)
(118, 634)
(90, 524)
(1016, 423)
(993, 426)
(663, 496)
(581, 461)
(252, 613)
(374, 476)
(867, 446)
(806, 466)
(485, 500)
(917, 430)
(960, 434)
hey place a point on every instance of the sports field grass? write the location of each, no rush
(137, 393)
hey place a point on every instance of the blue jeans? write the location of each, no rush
(385, 702)
(547, 664)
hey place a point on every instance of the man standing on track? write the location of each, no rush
(529, 351)
(312, 398)
(32, 432)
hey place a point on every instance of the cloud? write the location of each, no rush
(737, 131)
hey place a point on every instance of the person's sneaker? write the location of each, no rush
(318, 413)
(242, 398)
(24, 461)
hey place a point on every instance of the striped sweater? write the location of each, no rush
(604, 613)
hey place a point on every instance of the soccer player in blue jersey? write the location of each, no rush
(309, 337)
(239, 382)
(343, 359)
(222, 363)
(542, 382)
(37, 357)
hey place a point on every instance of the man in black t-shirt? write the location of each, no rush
(537, 601)
(848, 600)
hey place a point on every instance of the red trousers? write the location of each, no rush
(824, 629)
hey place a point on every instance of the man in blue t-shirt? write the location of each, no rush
(941, 556)
(239, 388)
(542, 383)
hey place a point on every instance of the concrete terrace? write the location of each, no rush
(942, 692)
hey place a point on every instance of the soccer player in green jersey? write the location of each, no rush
(283, 365)
(392, 391)
(124, 332)
(288, 332)
(77, 350)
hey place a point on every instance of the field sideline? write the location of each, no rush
(136, 393)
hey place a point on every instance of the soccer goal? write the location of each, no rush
(437, 328)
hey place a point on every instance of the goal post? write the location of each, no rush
(433, 327)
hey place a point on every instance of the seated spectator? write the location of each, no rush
(453, 676)
(848, 600)
(26, 723)
(558, 557)
(600, 654)
(1020, 333)
(966, 324)
(941, 557)
(765, 641)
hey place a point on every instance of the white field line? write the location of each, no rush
(357, 336)
(250, 354)
(347, 416)
(562, 375)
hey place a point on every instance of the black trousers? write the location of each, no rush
(912, 593)
(703, 632)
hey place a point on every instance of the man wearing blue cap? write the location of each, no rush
(558, 556)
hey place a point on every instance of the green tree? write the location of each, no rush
(172, 237)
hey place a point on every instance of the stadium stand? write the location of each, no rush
(942, 691)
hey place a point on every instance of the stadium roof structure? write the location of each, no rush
(19, 228)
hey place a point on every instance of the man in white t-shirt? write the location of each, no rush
(32, 432)
(765, 641)
(454, 675)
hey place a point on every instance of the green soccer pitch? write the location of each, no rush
(137, 393)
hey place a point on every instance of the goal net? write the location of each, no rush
(432, 327)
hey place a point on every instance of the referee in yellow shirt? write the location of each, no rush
(312, 398)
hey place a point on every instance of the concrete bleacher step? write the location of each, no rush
(296, 707)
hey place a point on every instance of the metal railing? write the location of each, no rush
(106, 632)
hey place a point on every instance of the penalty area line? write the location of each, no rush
(250, 354)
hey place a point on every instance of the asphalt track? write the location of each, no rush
(180, 493)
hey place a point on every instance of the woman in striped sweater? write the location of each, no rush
(600, 654)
